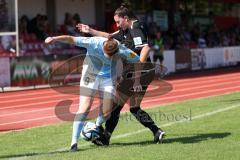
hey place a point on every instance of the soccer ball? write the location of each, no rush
(90, 131)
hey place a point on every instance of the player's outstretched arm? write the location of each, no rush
(63, 38)
(86, 29)
(144, 53)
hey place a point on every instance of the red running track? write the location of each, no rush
(32, 108)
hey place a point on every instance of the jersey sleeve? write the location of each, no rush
(128, 54)
(117, 35)
(139, 35)
(85, 42)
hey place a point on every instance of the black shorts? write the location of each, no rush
(156, 57)
(147, 76)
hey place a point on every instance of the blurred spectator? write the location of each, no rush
(8, 43)
(43, 28)
(157, 47)
(33, 23)
(195, 33)
(186, 37)
(168, 42)
(75, 20)
(24, 25)
(68, 19)
(225, 41)
(202, 42)
(39, 26)
(3, 15)
(70, 22)
(33, 32)
(152, 30)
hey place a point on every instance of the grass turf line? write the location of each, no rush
(213, 137)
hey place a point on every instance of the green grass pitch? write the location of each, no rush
(201, 129)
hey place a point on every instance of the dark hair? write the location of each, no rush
(124, 10)
(110, 46)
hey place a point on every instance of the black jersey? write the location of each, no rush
(135, 38)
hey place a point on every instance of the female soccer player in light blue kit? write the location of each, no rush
(98, 74)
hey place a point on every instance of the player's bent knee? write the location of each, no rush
(134, 110)
(80, 117)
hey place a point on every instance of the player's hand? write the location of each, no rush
(83, 28)
(137, 87)
(119, 80)
(49, 40)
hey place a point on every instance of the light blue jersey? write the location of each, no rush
(101, 65)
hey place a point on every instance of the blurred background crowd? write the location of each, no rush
(185, 28)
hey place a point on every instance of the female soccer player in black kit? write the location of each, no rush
(132, 34)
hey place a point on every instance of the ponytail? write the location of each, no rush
(124, 10)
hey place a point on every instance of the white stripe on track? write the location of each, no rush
(203, 77)
(231, 80)
(205, 86)
(144, 101)
(176, 90)
(190, 94)
(181, 81)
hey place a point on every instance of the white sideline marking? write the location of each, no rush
(144, 130)
(181, 121)
(167, 124)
